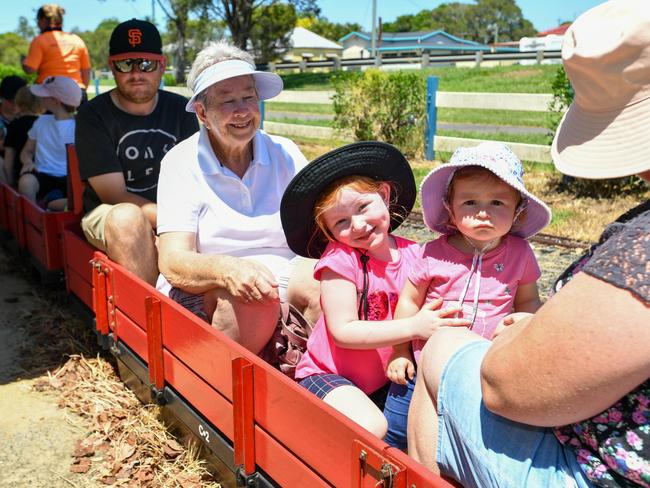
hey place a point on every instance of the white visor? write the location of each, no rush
(268, 85)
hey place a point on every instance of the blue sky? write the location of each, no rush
(86, 14)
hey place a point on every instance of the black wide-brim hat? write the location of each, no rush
(376, 160)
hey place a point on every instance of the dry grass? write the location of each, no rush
(127, 445)
(577, 218)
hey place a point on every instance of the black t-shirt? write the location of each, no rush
(109, 140)
(17, 137)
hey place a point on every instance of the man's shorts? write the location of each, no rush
(93, 224)
(480, 448)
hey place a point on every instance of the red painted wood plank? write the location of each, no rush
(282, 465)
(212, 405)
(3, 208)
(78, 254)
(201, 347)
(79, 287)
(129, 293)
(132, 335)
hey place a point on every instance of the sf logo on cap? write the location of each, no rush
(135, 37)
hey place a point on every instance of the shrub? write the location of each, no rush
(169, 79)
(608, 188)
(7, 69)
(388, 107)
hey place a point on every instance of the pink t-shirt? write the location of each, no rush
(443, 270)
(366, 368)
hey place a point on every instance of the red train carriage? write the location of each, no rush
(259, 427)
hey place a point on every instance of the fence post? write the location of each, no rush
(432, 88)
(377, 59)
(302, 66)
(478, 56)
(425, 59)
(271, 66)
(336, 63)
(261, 114)
(96, 87)
(540, 56)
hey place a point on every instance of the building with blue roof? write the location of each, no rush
(403, 44)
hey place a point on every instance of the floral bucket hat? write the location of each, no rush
(532, 215)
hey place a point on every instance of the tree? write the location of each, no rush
(483, 21)
(330, 30)
(238, 15)
(97, 42)
(24, 29)
(199, 32)
(271, 31)
(12, 47)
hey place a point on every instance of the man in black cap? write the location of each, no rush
(8, 109)
(121, 137)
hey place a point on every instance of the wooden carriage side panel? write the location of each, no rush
(319, 435)
(4, 225)
(129, 293)
(77, 256)
(285, 467)
(203, 349)
(14, 214)
(212, 405)
(131, 334)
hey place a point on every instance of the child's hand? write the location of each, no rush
(429, 319)
(399, 368)
(508, 320)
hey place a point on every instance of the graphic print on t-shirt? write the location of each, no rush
(142, 150)
(380, 303)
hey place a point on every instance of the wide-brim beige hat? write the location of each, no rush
(605, 133)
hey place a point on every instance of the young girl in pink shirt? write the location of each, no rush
(342, 208)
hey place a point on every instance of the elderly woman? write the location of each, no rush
(562, 398)
(222, 251)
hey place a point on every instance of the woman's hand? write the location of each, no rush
(250, 282)
(429, 319)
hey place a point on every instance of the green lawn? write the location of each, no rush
(500, 79)
(451, 115)
(498, 136)
(289, 120)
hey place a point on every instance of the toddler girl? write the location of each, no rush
(481, 263)
(342, 208)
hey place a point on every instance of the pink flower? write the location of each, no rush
(634, 440)
(639, 418)
(615, 416)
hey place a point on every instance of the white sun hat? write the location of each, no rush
(605, 133)
(268, 85)
(500, 160)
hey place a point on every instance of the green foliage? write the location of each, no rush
(384, 106)
(12, 48)
(6, 70)
(308, 81)
(271, 31)
(97, 42)
(332, 30)
(169, 79)
(481, 22)
(562, 98)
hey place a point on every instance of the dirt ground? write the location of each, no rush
(37, 438)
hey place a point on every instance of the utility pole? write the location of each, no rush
(373, 42)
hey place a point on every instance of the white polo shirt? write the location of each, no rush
(230, 215)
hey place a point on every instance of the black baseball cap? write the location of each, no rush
(137, 37)
(10, 85)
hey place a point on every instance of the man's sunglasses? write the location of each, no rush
(144, 65)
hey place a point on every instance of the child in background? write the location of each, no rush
(43, 158)
(482, 262)
(29, 108)
(341, 208)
